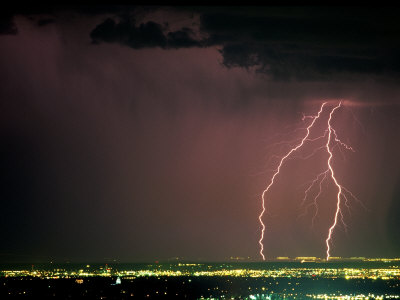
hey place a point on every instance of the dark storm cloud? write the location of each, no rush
(145, 35)
(310, 44)
(301, 44)
(182, 39)
(125, 32)
(285, 43)
(44, 22)
(283, 64)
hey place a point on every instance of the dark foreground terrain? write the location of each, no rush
(193, 288)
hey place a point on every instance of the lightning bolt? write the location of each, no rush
(332, 141)
(332, 173)
(277, 170)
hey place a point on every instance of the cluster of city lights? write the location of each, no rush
(388, 273)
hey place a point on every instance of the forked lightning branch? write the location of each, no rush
(342, 194)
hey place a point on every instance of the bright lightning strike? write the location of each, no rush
(332, 141)
(339, 193)
(277, 172)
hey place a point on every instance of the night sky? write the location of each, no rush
(148, 133)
